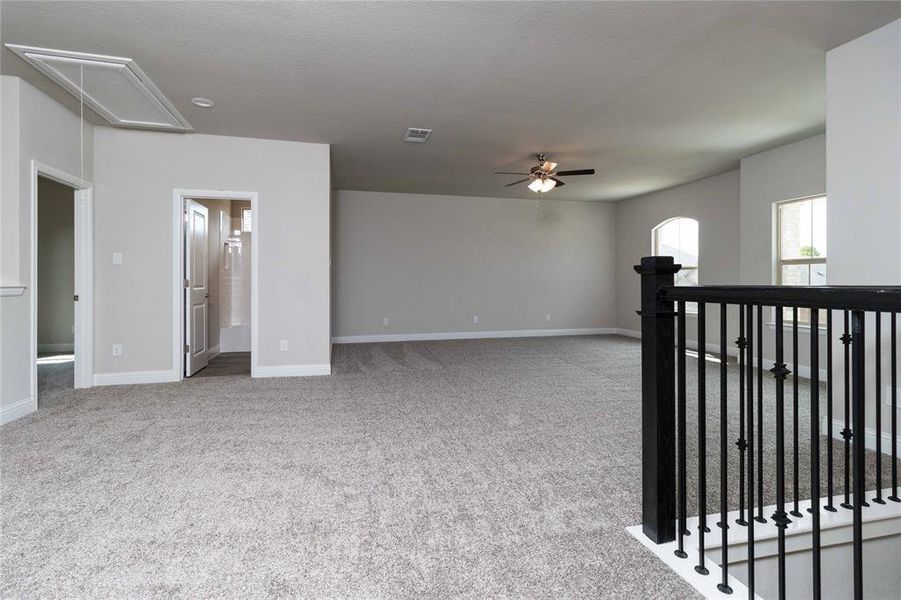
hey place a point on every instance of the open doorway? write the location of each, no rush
(218, 286)
(55, 289)
(61, 282)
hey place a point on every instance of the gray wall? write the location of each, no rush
(56, 266)
(430, 263)
(863, 159)
(136, 174)
(785, 173)
(34, 128)
(714, 203)
(793, 171)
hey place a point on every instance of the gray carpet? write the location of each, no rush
(435, 469)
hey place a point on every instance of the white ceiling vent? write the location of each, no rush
(114, 87)
(417, 135)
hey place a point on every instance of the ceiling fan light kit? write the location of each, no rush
(544, 177)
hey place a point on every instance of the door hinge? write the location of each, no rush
(187, 348)
(75, 297)
(187, 283)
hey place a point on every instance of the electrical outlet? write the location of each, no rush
(117, 258)
(283, 345)
(475, 319)
(117, 349)
(547, 318)
(386, 321)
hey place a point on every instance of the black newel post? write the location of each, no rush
(658, 386)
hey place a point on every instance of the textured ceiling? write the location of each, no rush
(651, 94)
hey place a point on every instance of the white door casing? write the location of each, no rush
(196, 287)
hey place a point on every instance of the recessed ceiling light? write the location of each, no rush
(203, 102)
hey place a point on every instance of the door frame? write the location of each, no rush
(83, 222)
(179, 195)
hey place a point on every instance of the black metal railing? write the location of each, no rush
(667, 455)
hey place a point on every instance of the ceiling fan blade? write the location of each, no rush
(509, 173)
(575, 172)
(515, 182)
(559, 183)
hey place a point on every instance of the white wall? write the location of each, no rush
(430, 263)
(863, 158)
(56, 266)
(788, 172)
(863, 163)
(49, 133)
(785, 173)
(134, 181)
(714, 203)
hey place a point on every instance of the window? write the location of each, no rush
(678, 237)
(801, 245)
(245, 220)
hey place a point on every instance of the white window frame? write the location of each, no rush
(246, 215)
(691, 308)
(779, 262)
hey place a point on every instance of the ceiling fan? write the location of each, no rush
(544, 177)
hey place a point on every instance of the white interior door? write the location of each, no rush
(197, 288)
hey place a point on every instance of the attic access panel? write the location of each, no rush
(114, 87)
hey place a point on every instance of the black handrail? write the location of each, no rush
(834, 296)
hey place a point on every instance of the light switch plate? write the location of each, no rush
(117, 258)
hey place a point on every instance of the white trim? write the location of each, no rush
(12, 290)
(84, 273)
(213, 352)
(469, 335)
(64, 347)
(293, 370)
(18, 409)
(879, 520)
(132, 377)
(179, 195)
(869, 434)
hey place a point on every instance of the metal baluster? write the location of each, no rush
(894, 370)
(760, 518)
(750, 437)
(741, 443)
(724, 586)
(830, 439)
(702, 437)
(878, 358)
(859, 399)
(846, 432)
(680, 417)
(796, 512)
(815, 448)
(780, 518)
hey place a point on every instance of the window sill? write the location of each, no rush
(801, 327)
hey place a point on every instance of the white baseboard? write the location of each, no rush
(18, 409)
(133, 377)
(870, 433)
(64, 347)
(213, 352)
(629, 333)
(292, 370)
(468, 335)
